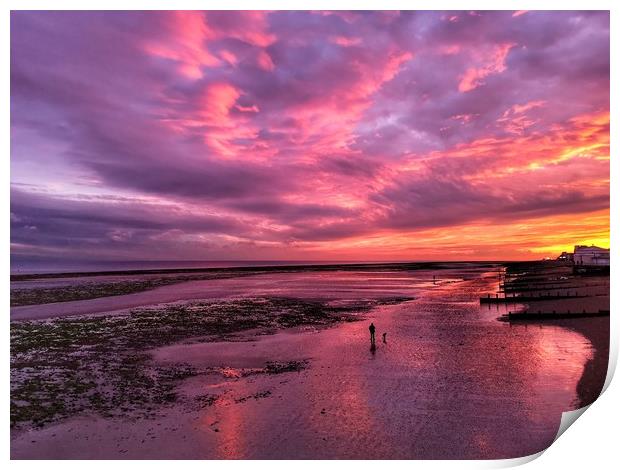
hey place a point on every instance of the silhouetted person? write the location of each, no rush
(372, 334)
(384, 335)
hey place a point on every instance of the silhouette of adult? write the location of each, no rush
(372, 328)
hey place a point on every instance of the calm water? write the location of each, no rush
(44, 266)
(451, 381)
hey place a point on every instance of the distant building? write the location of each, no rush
(590, 258)
(565, 256)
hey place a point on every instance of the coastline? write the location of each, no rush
(554, 287)
(596, 331)
(68, 288)
(260, 268)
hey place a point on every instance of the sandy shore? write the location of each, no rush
(591, 296)
(596, 330)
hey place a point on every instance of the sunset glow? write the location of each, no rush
(348, 136)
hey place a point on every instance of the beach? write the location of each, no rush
(306, 234)
(278, 364)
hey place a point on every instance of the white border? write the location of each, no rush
(591, 443)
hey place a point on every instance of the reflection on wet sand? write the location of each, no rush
(451, 383)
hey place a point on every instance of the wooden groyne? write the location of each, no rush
(528, 298)
(552, 315)
(548, 291)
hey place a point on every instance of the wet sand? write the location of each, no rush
(451, 382)
(45, 288)
(592, 296)
(596, 330)
(350, 285)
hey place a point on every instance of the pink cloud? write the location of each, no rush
(229, 57)
(216, 102)
(514, 119)
(188, 34)
(247, 26)
(247, 109)
(491, 62)
(346, 41)
(450, 49)
(184, 43)
(264, 61)
(518, 108)
(464, 118)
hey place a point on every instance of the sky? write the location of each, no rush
(348, 136)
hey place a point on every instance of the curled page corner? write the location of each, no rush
(568, 418)
(611, 365)
(517, 461)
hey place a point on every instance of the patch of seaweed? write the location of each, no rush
(99, 364)
(96, 289)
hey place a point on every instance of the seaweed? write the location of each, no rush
(101, 364)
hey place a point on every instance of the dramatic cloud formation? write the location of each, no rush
(308, 135)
